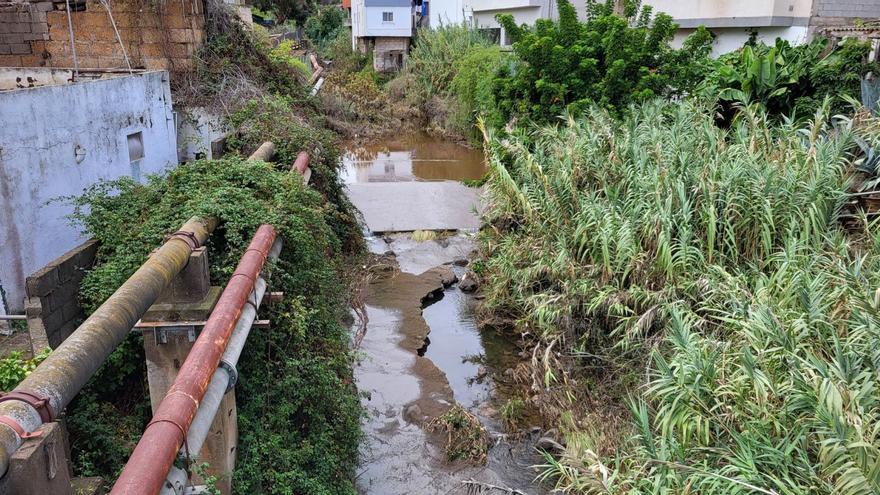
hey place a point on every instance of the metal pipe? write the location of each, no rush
(301, 164)
(155, 452)
(264, 153)
(13, 317)
(63, 374)
(176, 481)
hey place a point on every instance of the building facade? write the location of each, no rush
(57, 138)
(734, 21)
(385, 28)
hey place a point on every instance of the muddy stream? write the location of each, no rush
(421, 350)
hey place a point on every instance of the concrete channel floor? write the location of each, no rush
(417, 205)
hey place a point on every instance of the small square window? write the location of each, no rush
(135, 146)
(387, 16)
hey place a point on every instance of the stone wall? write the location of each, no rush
(53, 309)
(156, 35)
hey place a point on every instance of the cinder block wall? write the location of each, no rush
(156, 35)
(53, 309)
(863, 9)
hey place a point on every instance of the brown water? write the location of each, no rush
(411, 157)
(423, 351)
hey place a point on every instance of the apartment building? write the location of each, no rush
(734, 21)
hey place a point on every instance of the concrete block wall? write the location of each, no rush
(53, 309)
(862, 9)
(156, 35)
(23, 28)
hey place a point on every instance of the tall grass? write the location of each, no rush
(714, 257)
(435, 54)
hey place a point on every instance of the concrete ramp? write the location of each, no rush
(408, 206)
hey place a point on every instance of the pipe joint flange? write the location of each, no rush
(232, 372)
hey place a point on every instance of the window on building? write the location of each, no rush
(387, 16)
(135, 146)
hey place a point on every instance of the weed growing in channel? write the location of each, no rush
(711, 261)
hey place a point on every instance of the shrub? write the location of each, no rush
(608, 61)
(473, 87)
(325, 26)
(281, 54)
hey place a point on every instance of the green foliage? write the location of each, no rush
(608, 61)
(473, 87)
(15, 367)
(295, 10)
(281, 54)
(307, 442)
(235, 58)
(326, 25)
(787, 80)
(711, 258)
(436, 57)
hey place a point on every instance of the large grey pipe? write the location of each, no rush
(176, 482)
(67, 369)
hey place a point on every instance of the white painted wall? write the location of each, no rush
(732, 39)
(41, 130)
(721, 13)
(450, 12)
(401, 26)
(197, 128)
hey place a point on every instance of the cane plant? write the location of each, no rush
(715, 257)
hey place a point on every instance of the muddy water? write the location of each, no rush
(422, 351)
(411, 157)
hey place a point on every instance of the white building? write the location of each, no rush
(481, 13)
(58, 137)
(384, 27)
(734, 21)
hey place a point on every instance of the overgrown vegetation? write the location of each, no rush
(787, 80)
(16, 367)
(714, 258)
(609, 61)
(302, 365)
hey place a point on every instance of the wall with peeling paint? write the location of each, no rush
(57, 140)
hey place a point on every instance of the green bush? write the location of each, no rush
(15, 368)
(608, 61)
(281, 54)
(473, 87)
(325, 26)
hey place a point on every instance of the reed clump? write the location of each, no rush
(699, 277)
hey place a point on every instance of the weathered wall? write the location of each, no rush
(862, 9)
(390, 53)
(57, 140)
(156, 35)
(200, 134)
(53, 309)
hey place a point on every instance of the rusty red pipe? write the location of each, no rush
(302, 162)
(145, 472)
